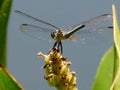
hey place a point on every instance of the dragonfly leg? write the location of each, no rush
(54, 44)
(53, 48)
(60, 45)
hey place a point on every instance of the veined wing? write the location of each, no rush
(95, 28)
(36, 31)
(35, 19)
(104, 20)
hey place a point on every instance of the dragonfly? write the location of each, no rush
(96, 24)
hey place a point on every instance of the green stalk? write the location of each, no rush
(5, 6)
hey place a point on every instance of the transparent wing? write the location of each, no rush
(95, 30)
(36, 31)
(96, 22)
(35, 19)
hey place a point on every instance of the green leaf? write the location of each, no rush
(7, 82)
(5, 6)
(108, 74)
(116, 34)
(104, 74)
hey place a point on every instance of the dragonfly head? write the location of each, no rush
(57, 35)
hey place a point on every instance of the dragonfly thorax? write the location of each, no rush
(57, 35)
